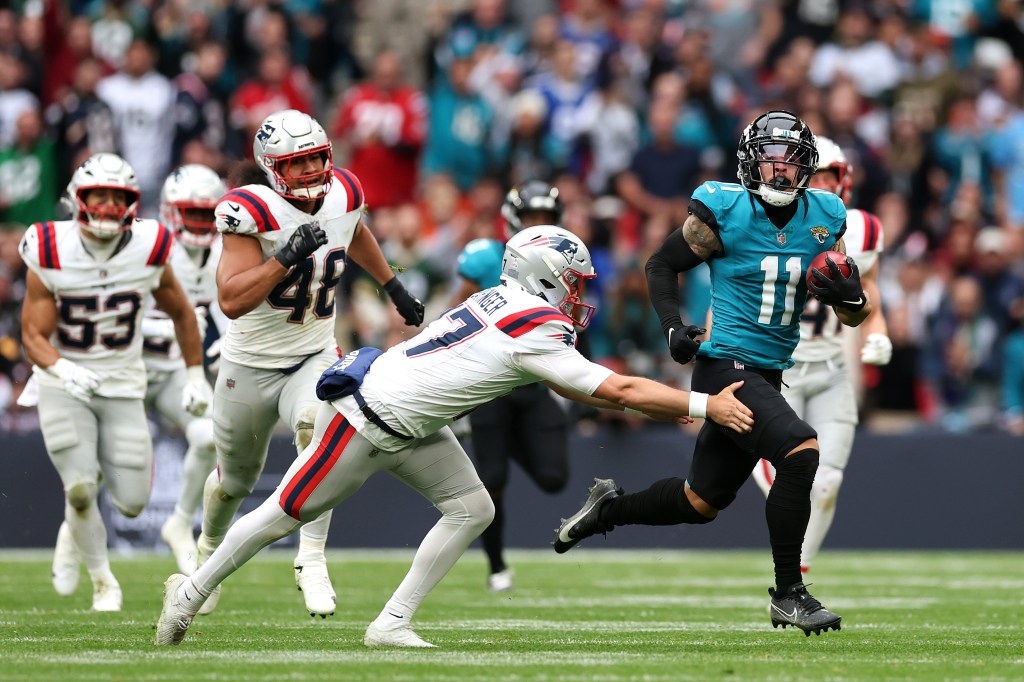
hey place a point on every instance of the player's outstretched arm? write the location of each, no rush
(365, 251)
(38, 322)
(172, 300)
(877, 347)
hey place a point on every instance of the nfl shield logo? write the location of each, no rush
(781, 236)
(230, 383)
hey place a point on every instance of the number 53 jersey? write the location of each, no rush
(99, 302)
(297, 318)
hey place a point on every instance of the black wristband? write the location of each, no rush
(393, 285)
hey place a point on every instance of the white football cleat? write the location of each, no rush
(201, 556)
(178, 536)
(174, 618)
(66, 562)
(106, 595)
(502, 581)
(402, 636)
(315, 584)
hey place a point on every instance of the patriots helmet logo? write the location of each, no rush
(566, 247)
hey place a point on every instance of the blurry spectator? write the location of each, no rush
(33, 54)
(564, 90)
(28, 174)
(485, 29)
(540, 50)
(200, 110)
(143, 104)
(611, 134)
(1006, 152)
(962, 147)
(958, 22)
(460, 129)
(631, 325)
(530, 151)
(73, 45)
(588, 28)
(84, 123)
(740, 33)
(844, 107)
(115, 25)
(963, 358)
(384, 124)
(277, 86)
(14, 98)
(663, 173)
(419, 270)
(638, 59)
(857, 54)
(1001, 287)
(1001, 98)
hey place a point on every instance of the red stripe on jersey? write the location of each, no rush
(872, 234)
(258, 209)
(302, 484)
(766, 469)
(46, 235)
(520, 323)
(352, 187)
(162, 246)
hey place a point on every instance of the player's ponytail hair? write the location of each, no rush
(246, 172)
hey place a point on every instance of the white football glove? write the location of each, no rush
(202, 321)
(80, 382)
(159, 328)
(877, 350)
(197, 394)
(213, 355)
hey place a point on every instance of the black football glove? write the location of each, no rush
(682, 342)
(304, 240)
(409, 307)
(836, 290)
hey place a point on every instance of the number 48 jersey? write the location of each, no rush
(297, 318)
(99, 302)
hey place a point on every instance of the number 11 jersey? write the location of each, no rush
(297, 318)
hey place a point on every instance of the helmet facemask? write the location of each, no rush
(781, 189)
(301, 186)
(572, 303)
(106, 221)
(192, 221)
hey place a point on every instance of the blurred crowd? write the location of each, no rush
(625, 105)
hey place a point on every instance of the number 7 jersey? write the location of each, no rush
(297, 318)
(99, 302)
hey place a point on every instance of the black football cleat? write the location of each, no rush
(797, 607)
(586, 521)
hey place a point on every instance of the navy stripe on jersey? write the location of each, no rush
(162, 247)
(520, 323)
(352, 188)
(258, 209)
(339, 432)
(47, 239)
(872, 228)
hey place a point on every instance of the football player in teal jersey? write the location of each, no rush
(758, 238)
(527, 426)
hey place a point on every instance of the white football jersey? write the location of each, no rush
(197, 273)
(820, 328)
(497, 340)
(99, 302)
(297, 317)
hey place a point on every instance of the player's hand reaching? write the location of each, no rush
(80, 382)
(408, 306)
(835, 290)
(683, 343)
(727, 410)
(877, 350)
(304, 240)
(197, 394)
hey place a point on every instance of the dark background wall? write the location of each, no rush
(913, 491)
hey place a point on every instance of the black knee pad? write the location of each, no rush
(794, 476)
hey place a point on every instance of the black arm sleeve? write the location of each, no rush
(663, 268)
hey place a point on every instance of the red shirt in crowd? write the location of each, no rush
(386, 130)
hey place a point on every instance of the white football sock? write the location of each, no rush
(200, 459)
(251, 533)
(313, 539)
(824, 492)
(462, 521)
(90, 536)
(217, 512)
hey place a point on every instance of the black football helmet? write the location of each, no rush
(777, 137)
(532, 196)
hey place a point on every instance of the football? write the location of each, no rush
(821, 266)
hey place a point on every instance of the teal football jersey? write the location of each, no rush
(757, 283)
(480, 262)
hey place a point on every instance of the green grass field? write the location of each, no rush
(589, 615)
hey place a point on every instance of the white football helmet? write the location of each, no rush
(832, 158)
(285, 138)
(103, 171)
(187, 200)
(552, 263)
